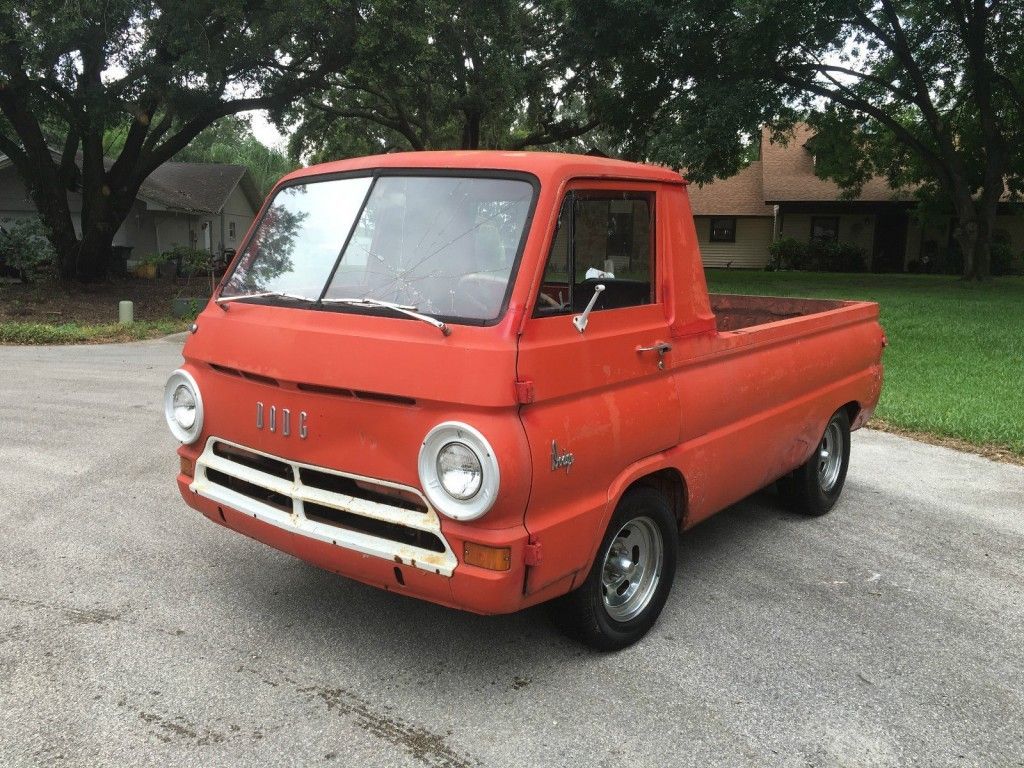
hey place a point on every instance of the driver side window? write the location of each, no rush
(602, 238)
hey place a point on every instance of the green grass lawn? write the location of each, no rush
(79, 333)
(955, 362)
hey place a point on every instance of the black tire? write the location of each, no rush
(814, 487)
(645, 515)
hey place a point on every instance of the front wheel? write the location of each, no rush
(631, 576)
(814, 487)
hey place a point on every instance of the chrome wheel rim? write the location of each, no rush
(830, 457)
(632, 568)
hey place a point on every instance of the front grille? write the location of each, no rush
(365, 514)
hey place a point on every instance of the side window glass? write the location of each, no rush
(602, 238)
(555, 288)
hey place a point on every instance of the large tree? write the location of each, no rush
(163, 71)
(449, 74)
(929, 93)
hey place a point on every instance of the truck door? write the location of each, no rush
(599, 393)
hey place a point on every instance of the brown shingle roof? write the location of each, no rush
(738, 195)
(788, 171)
(202, 187)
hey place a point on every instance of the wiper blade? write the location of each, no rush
(405, 309)
(220, 301)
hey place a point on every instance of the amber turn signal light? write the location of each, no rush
(491, 558)
(187, 467)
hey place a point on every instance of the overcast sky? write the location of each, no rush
(265, 131)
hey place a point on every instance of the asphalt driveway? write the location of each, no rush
(134, 632)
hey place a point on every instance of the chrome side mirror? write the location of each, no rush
(580, 321)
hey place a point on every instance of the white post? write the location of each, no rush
(125, 312)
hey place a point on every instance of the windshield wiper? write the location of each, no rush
(221, 301)
(404, 309)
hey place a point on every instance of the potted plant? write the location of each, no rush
(147, 267)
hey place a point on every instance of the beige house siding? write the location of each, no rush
(750, 251)
(237, 211)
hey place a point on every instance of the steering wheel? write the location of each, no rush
(551, 301)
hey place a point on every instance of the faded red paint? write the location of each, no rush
(731, 412)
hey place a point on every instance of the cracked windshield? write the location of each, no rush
(442, 245)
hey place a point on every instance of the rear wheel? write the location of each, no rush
(814, 487)
(631, 576)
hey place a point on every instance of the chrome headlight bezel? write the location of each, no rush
(480, 502)
(177, 379)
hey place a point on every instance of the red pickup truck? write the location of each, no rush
(492, 379)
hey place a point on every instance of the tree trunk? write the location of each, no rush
(973, 234)
(471, 130)
(95, 254)
(61, 229)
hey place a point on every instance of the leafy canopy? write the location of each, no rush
(448, 74)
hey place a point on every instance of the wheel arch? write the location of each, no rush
(668, 481)
(856, 414)
(653, 472)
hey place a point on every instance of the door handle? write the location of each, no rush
(661, 347)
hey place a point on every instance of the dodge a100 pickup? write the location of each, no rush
(493, 379)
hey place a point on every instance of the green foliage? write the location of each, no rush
(815, 256)
(25, 247)
(447, 74)
(190, 260)
(1004, 260)
(787, 253)
(955, 353)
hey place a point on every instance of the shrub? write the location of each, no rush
(844, 257)
(26, 249)
(190, 261)
(817, 256)
(787, 253)
(1001, 254)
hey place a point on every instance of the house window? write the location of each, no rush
(825, 228)
(602, 238)
(723, 230)
(231, 230)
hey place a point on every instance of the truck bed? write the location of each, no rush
(734, 312)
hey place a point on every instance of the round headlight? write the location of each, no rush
(458, 471)
(183, 406)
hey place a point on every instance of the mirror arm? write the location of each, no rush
(580, 321)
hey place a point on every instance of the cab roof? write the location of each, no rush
(546, 166)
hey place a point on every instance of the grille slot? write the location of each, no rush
(255, 461)
(358, 394)
(361, 489)
(390, 531)
(259, 379)
(253, 491)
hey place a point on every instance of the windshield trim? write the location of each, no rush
(375, 173)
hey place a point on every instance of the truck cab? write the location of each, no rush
(491, 380)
